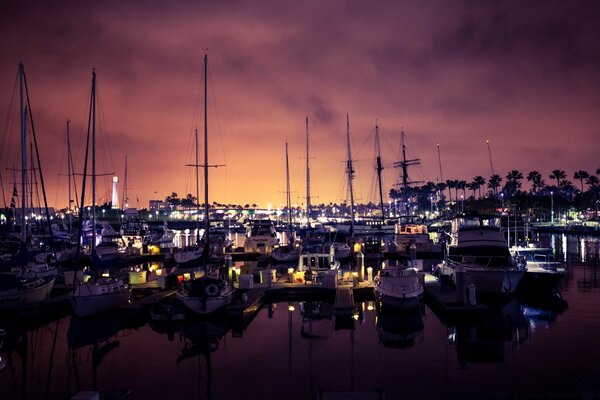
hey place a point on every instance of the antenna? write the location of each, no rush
(490, 154)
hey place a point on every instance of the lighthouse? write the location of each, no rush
(115, 192)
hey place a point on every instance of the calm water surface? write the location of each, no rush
(299, 351)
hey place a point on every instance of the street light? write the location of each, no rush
(552, 208)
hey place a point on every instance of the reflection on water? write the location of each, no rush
(486, 337)
(300, 350)
(399, 329)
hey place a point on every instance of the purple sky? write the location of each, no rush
(523, 75)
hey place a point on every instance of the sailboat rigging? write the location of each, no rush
(350, 172)
(205, 294)
(98, 294)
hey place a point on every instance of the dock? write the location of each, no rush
(344, 301)
(443, 299)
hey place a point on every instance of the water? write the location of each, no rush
(517, 351)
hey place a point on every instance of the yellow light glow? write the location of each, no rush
(187, 276)
(291, 308)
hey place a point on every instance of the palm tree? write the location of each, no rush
(450, 184)
(592, 181)
(479, 181)
(513, 182)
(559, 175)
(537, 181)
(473, 186)
(581, 175)
(494, 183)
(462, 185)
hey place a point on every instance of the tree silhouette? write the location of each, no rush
(559, 175)
(581, 175)
(494, 183)
(537, 181)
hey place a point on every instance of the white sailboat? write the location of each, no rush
(288, 252)
(98, 294)
(205, 295)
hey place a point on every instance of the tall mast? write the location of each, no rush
(69, 175)
(350, 172)
(125, 196)
(379, 168)
(288, 199)
(206, 219)
(23, 154)
(307, 176)
(93, 247)
(404, 164)
(197, 193)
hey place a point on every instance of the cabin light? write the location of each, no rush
(105, 274)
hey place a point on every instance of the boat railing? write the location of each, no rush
(480, 261)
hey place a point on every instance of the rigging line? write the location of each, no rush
(60, 173)
(218, 122)
(37, 152)
(9, 123)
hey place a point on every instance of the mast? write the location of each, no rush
(404, 164)
(350, 172)
(197, 194)
(69, 175)
(93, 245)
(307, 177)
(288, 199)
(206, 218)
(379, 168)
(23, 155)
(125, 198)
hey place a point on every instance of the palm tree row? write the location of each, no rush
(508, 187)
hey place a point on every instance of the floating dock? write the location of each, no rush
(443, 298)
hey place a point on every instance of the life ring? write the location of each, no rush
(212, 290)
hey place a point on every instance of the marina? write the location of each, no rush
(431, 231)
(291, 324)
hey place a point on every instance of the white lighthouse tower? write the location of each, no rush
(115, 192)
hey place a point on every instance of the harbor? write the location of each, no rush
(299, 332)
(317, 200)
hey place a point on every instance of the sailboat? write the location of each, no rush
(23, 286)
(205, 294)
(289, 252)
(98, 294)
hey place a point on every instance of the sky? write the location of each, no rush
(523, 75)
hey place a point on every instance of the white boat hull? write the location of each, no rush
(494, 281)
(86, 305)
(399, 292)
(24, 297)
(204, 305)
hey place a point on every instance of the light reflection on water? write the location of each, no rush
(300, 350)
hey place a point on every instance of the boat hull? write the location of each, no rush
(204, 305)
(26, 296)
(84, 306)
(492, 281)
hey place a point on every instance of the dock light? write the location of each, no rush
(355, 316)
(370, 307)
(291, 307)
